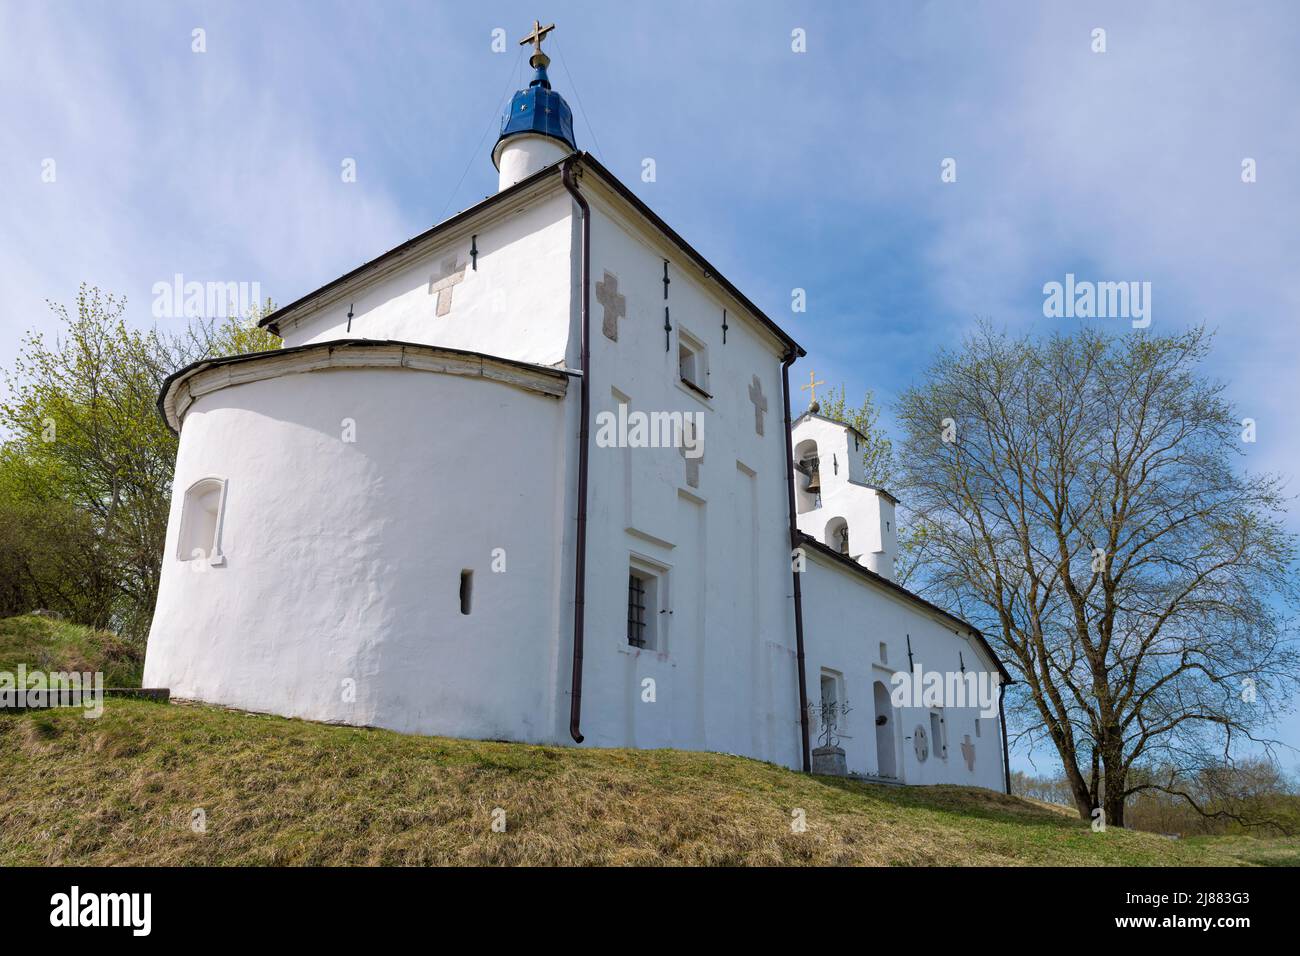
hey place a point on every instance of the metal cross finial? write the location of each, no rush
(536, 37)
(812, 385)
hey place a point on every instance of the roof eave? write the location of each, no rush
(166, 406)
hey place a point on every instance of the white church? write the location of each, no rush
(404, 517)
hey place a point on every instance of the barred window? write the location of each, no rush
(636, 610)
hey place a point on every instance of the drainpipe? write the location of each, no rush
(794, 543)
(580, 559)
(1002, 719)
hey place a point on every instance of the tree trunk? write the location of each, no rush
(1113, 799)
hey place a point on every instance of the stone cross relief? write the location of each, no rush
(615, 304)
(968, 752)
(449, 276)
(760, 404)
(692, 464)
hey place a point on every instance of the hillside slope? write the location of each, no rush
(51, 645)
(124, 789)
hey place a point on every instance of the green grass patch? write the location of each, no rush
(50, 645)
(126, 789)
(1253, 850)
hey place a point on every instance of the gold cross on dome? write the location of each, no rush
(537, 36)
(812, 385)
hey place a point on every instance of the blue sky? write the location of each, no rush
(818, 170)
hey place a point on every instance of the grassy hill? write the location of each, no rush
(122, 790)
(48, 644)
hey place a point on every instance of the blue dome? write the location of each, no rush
(538, 110)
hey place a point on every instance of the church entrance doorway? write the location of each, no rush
(886, 758)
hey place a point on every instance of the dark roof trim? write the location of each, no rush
(849, 563)
(202, 365)
(271, 321)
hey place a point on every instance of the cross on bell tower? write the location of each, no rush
(812, 385)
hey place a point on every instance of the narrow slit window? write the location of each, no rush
(938, 735)
(466, 591)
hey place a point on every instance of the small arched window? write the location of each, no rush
(201, 516)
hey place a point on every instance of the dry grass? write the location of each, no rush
(121, 790)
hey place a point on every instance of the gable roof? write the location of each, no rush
(849, 564)
(586, 161)
(826, 418)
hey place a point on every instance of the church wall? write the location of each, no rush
(846, 618)
(343, 559)
(515, 304)
(713, 537)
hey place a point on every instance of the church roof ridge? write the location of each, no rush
(271, 320)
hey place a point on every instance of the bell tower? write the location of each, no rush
(537, 127)
(833, 501)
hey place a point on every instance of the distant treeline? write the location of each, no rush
(1253, 796)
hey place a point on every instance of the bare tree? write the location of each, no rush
(1083, 502)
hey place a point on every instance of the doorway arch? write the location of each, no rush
(886, 752)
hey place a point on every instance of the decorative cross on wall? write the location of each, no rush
(449, 276)
(615, 304)
(760, 403)
(968, 752)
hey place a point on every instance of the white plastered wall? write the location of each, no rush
(845, 620)
(515, 304)
(343, 558)
(724, 673)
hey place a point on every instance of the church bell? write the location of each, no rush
(809, 467)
